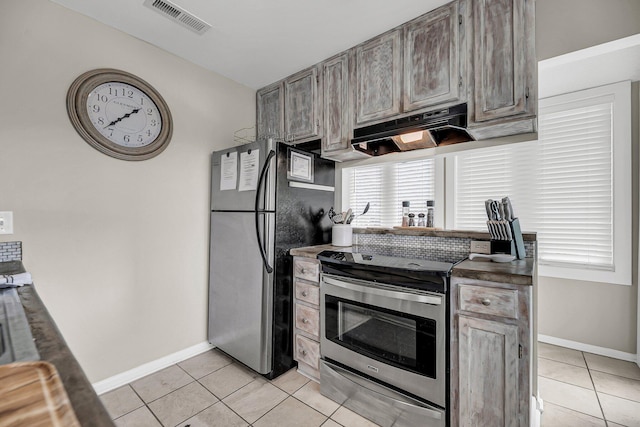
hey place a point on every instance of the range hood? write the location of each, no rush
(426, 130)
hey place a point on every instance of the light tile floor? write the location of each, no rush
(583, 389)
(579, 389)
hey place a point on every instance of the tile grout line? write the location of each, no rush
(606, 423)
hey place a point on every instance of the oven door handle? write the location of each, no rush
(426, 299)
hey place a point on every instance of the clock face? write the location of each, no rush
(119, 114)
(124, 114)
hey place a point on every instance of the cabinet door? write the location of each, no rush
(378, 78)
(301, 106)
(488, 360)
(336, 103)
(270, 111)
(432, 73)
(501, 54)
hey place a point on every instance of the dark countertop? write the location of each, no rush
(518, 272)
(52, 348)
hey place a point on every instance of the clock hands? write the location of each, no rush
(122, 118)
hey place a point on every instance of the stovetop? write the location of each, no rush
(427, 274)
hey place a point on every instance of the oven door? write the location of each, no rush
(392, 334)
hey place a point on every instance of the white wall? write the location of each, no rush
(118, 250)
(596, 314)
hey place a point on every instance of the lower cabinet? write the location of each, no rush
(490, 353)
(306, 279)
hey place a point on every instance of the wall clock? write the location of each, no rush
(119, 114)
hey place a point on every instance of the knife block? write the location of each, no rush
(516, 232)
(503, 247)
(512, 247)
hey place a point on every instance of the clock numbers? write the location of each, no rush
(124, 114)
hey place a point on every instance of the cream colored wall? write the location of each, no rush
(118, 250)
(564, 26)
(596, 314)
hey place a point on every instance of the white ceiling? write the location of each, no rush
(257, 42)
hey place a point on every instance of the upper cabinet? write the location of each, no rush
(290, 110)
(478, 52)
(433, 60)
(378, 71)
(504, 68)
(270, 111)
(302, 106)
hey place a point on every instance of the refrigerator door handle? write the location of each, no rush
(263, 173)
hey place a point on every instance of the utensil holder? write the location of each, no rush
(506, 237)
(342, 235)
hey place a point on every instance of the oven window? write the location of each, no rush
(399, 339)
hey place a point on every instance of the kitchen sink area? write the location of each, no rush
(16, 341)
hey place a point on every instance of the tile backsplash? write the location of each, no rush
(10, 251)
(424, 247)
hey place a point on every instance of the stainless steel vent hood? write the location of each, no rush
(426, 130)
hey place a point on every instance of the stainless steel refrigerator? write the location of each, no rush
(266, 198)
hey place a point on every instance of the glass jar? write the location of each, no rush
(430, 213)
(405, 214)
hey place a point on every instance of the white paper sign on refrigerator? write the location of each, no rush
(249, 170)
(229, 171)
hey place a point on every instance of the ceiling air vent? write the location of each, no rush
(179, 15)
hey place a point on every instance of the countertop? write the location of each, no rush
(518, 272)
(52, 348)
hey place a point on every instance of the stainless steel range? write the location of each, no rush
(384, 337)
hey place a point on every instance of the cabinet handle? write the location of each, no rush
(303, 352)
(305, 293)
(485, 301)
(305, 320)
(302, 270)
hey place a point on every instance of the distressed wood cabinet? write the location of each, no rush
(270, 111)
(434, 58)
(478, 52)
(491, 381)
(378, 71)
(302, 106)
(504, 68)
(306, 280)
(337, 108)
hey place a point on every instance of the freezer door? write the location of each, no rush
(233, 199)
(240, 289)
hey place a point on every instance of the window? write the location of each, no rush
(386, 186)
(573, 186)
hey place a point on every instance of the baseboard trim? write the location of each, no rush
(602, 351)
(126, 377)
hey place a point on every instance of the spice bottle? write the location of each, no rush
(430, 213)
(412, 222)
(405, 214)
(421, 222)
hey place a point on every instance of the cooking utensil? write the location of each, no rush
(495, 210)
(508, 209)
(353, 216)
(487, 206)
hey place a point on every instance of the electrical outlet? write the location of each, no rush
(480, 247)
(6, 222)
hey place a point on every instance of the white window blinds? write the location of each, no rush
(386, 186)
(561, 186)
